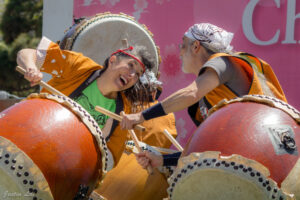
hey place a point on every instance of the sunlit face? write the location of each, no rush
(125, 73)
(185, 55)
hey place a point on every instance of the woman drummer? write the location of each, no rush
(221, 74)
(115, 86)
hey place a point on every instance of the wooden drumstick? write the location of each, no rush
(42, 83)
(174, 142)
(137, 144)
(116, 117)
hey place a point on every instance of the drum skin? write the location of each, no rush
(112, 31)
(242, 128)
(58, 143)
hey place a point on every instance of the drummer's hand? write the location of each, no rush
(33, 75)
(129, 120)
(146, 158)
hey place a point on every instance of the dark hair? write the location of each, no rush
(139, 93)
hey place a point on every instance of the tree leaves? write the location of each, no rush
(21, 27)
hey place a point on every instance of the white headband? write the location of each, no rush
(213, 37)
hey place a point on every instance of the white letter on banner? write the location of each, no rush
(290, 23)
(248, 26)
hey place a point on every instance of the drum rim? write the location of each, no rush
(100, 16)
(261, 99)
(209, 159)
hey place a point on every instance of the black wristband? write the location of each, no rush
(171, 159)
(153, 112)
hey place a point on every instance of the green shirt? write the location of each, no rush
(91, 97)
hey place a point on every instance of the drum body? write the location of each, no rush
(253, 139)
(53, 133)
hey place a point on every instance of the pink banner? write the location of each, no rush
(269, 29)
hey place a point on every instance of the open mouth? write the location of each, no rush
(123, 80)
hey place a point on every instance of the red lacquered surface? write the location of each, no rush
(58, 143)
(241, 128)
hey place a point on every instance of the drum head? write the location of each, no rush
(20, 177)
(207, 175)
(100, 36)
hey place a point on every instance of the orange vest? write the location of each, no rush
(263, 81)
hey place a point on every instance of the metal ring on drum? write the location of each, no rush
(100, 35)
(50, 148)
(246, 149)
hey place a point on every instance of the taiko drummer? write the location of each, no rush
(116, 86)
(221, 74)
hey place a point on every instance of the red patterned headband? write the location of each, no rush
(132, 56)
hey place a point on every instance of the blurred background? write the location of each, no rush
(21, 26)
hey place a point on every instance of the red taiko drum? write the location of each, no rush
(247, 149)
(50, 148)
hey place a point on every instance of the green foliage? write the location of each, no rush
(21, 17)
(22, 41)
(21, 27)
(10, 80)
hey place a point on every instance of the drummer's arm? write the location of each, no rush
(27, 58)
(189, 95)
(185, 97)
(145, 158)
(179, 100)
(171, 159)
